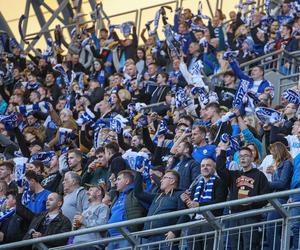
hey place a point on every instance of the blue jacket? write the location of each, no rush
(242, 76)
(295, 183)
(282, 176)
(118, 210)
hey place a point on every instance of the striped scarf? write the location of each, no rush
(206, 189)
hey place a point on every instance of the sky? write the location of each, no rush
(13, 9)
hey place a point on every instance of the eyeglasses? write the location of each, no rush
(244, 156)
(168, 177)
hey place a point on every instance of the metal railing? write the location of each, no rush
(217, 224)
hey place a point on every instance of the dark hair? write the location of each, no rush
(33, 175)
(230, 73)
(188, 118)
(289, 28)
(38, 164)
(189, 146)
(8, 164)
(127, 174)
(99, 150)
(113, 147)
(104, 30)
(246, 149)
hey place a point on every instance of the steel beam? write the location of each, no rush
(67, 13)
(4, 26)
(47, 24)
(36, 5)
(47, 7)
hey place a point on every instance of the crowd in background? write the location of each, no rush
(107, 130)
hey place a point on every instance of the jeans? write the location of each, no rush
(246, 241)
(162, 246)
(118, 244)
(199, 243)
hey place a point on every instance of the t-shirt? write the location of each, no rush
(294, 145)
(207, 151)
(37, 203)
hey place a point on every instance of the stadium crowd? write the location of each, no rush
(105, 130)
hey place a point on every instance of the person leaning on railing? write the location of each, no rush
(165, 201)
(247, 182)
(206, 189)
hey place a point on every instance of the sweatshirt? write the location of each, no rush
(243, 184)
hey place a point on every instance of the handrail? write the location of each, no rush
(153, 217)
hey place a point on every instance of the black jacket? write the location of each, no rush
(243, 184)
(59, 224)
(13, 229)
(219, 194)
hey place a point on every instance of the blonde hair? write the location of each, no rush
(125, 93)
(279, 152)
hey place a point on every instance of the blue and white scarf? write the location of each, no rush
(225, 118)
(44, 157)
(117, 123)
(26, 109)
(86, 116)
(181, 99)
(7, 213)
(240, 93)
(65, 134)
(49, 51)
(268, 115)
(10, 121)
(203, 95)
(291, 96)
(49, 123)
(206, 190)
(20, 179)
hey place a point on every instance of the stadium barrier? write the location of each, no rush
(220, 231)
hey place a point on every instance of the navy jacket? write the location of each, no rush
(188, 170)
